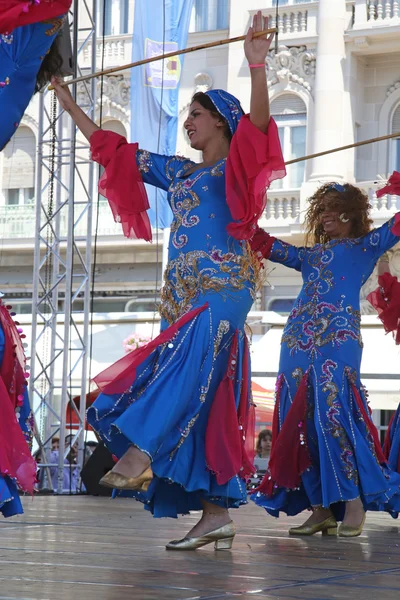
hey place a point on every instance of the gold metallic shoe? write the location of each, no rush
(349, 531)
(222, 538)
(122, 482)
(327, 527)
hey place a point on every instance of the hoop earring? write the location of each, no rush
(343, 219)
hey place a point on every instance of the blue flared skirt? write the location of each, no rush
(344, 464)
(165, 411)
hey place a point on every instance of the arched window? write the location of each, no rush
(290, 114)
(18, 179)
(396, 141)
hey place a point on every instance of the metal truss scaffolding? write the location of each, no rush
(62, 262)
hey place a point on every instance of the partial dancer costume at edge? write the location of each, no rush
(169, 408)
(326, 455)
(24, 43)
(29, 55)
(386, 300)
(17, 466)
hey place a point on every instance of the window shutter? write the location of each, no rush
(396, 120)
(288, 104)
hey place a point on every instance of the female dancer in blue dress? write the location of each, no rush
(175, 411)
(326, 454)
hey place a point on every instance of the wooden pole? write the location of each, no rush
(145, 61)
(332, 150)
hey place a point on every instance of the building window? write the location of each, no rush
(290, 114)
(19, 168)
(115, 14)
(16, 196)
(124, 16)
(210, 15)
(396, 141)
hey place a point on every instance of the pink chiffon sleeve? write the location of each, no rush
(122, 183)
(255, 160)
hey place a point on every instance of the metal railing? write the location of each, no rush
(18, 221)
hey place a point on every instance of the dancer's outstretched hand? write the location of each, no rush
(256, 49)
(63, 94)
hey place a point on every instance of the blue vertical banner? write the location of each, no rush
(160, 27)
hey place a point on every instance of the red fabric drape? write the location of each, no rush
(16, 13)
(247, 415)
(289, 453)
(117, 378)
(121, 183)
(369, 425)
(15, 456)
(229, 440)
(386, 300)
(388, 442)
(392, 186)
(255, 160)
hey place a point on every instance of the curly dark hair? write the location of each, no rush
(51, 65)
(352, 201)
(206, 102)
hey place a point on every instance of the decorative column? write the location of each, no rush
(329, 91)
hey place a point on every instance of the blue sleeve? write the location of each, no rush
(159, 170)
(381, 239)
(21, 55)
(28, 45)
(287, 255)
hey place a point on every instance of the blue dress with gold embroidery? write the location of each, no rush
(322, 346)
(165, 411)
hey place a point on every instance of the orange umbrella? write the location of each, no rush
(264, 401)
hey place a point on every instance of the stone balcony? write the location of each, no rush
(284, 215)
(296, 22)
(117, 51)
(371, 14)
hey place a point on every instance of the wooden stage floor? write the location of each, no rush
(99, 549)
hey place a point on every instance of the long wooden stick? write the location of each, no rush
(332, 150)
(145, 61)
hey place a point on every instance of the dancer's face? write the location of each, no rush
(333, 219)
(202, 126)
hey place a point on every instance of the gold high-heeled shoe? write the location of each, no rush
(222, 538)
(349, 531)
(122, 482)
(327, 527)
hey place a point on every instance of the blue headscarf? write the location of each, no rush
(228, 107)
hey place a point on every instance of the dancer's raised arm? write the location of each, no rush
(256, 51)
